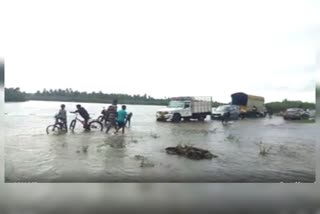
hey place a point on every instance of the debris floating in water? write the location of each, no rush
(190, 152)
(139, 157)
(85, 149)
(144, 161)
(264, 150)
(231, 137)
(213, 131)
(155, 136)
(134, 140)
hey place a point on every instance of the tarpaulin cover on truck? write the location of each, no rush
(240, 99)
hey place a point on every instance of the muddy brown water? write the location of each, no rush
(33, 156)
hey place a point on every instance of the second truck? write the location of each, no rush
(249, 105)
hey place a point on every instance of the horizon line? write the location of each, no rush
(165, 97)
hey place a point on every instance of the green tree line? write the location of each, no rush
(94, 97)
(69, 95)
(14, 95)
(276, 107)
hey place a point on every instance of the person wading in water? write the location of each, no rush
(111, 115)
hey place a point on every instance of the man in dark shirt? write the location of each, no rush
(111, 115)
(225, 117)
(84, 114)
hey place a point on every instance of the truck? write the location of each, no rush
(186, 108)
(249, 105)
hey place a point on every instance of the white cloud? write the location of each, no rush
(164, 48)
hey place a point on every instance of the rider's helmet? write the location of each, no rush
(78, 106)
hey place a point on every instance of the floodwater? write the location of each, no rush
(33, 156)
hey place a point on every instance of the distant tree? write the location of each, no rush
(14, 95)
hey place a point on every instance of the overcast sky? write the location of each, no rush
(164, 48)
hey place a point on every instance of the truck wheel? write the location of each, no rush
(176, 118)
(201, 118)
